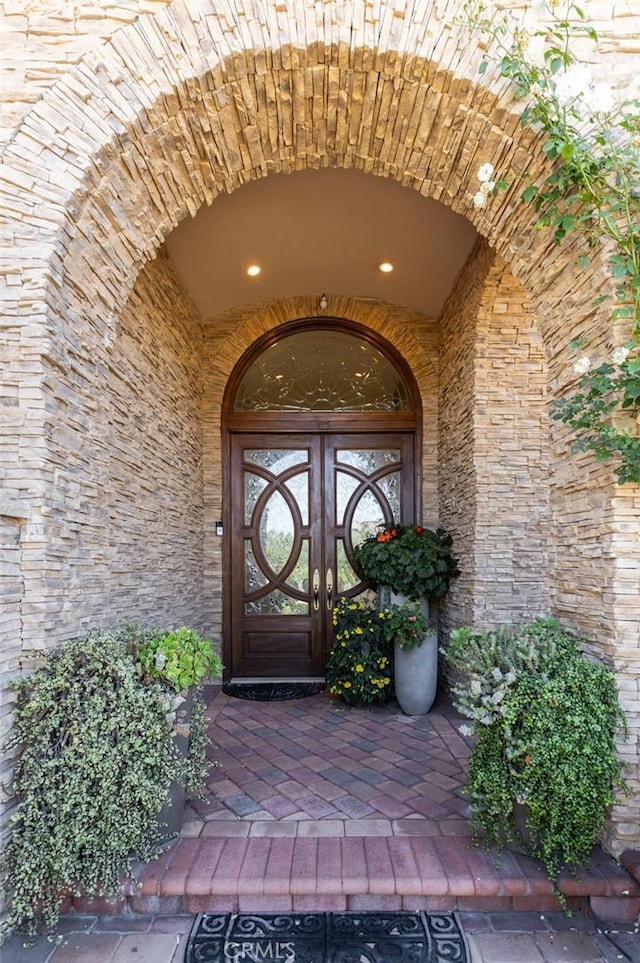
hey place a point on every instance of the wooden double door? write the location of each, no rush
(299, 502)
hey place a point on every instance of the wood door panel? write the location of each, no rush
(298, 503)
(260, 643)
(275, 549)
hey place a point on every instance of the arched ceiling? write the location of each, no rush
(322, 231)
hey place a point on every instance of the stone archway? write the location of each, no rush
(157, 120)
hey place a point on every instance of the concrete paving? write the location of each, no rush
(491, 938)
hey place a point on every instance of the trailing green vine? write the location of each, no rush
(95, 755)
(545, 719)
(592, 142)
(95, 759)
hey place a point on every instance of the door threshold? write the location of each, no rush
(260, 679)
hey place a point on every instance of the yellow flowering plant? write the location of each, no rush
(359, 667)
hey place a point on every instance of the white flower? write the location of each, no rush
(533, 53)
(536, 90)
(599, 99)
(582, 366)
(620, 355)
(160, 660)
(475, 688)
(572, 84)
(485, 173)
(465, 730)
(479, 200)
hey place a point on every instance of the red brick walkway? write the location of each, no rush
(318, 806)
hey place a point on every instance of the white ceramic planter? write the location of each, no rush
(415, 670)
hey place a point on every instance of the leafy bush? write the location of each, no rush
(412, 560)
(178, 660)
(404, 624)
(181, 658)
(546, 718)
(359, 666)
(489, 664)
(94, 761)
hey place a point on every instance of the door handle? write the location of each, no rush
(316, 590)
(329, 589)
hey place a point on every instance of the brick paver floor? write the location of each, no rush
(316, 759)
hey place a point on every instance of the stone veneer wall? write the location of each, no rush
(129, 520)
(494, 453)
(152, 459)
(11, 594)
(128, 484)
(155, 109)
(45, 38)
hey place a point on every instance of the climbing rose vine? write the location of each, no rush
(592, 141)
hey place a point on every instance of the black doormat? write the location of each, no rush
(272, 691)
(326, 938)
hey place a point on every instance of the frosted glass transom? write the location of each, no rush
(322, 371)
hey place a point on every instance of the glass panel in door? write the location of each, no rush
(369, 483)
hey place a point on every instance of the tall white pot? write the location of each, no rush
(415, 670)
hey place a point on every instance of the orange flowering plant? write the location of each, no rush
(410, 559)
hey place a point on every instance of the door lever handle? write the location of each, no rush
(329, 589)
(316, 590)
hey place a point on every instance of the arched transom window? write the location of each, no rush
(322, 370)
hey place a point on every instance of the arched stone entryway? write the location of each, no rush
(156, 121)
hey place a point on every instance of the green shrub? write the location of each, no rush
(546, 719)
(180, 658)
(94, 760)
(404, 624)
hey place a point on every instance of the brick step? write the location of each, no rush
(263, 874)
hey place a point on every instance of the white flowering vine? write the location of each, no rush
(592, 143)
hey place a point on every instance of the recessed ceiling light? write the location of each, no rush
(254, 270)
(386, 267)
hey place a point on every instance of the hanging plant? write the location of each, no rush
(545, 719)
(94, 759)
(591, 139)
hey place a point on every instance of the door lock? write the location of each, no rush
(316, 590)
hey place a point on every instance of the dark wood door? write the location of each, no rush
(298, 504)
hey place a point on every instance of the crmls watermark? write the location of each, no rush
(257, 951)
